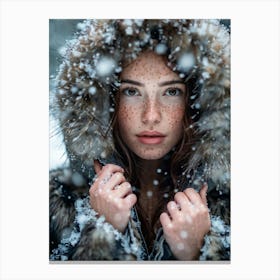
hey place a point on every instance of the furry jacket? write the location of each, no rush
(199, 50)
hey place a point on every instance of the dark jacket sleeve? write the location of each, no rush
(76, 231)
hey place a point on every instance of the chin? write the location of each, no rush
(151, 155)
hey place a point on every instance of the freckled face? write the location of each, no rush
(151, 107)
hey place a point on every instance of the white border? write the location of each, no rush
(24, 138)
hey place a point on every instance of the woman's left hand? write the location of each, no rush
(187, 223)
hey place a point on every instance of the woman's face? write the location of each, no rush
(151, 107)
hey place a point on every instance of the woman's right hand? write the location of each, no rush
(111, 195)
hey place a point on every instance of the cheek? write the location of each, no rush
(174, 116)
(126, 116)
(124, 112)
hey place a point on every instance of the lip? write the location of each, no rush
(150, 137)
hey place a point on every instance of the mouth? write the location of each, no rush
(150, 137)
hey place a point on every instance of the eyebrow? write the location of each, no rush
(127, 81)
(172, 82)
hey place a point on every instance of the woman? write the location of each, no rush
(143, 106)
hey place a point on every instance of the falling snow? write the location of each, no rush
(161, 49)
(149, 194)
(101, 67)
(155, 182)
(105, 66)
(186, 62)
(92, 90)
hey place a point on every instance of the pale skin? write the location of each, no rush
(152, 98)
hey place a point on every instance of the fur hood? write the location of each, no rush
(199, 50)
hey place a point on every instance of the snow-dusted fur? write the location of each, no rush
(196, 49)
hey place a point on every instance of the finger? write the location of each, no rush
(182, 200)
(193, 196)
(123, 190)
(116, 179)
(110, 169)
(165, 221)
(173, 210)
(106, 173)
(203, 193)
(130, 200)
(97, 166)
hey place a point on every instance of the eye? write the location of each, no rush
(173, 92)
(130, 92)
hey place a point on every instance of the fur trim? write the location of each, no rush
(94, 239)
(90, 70)
(217, 242)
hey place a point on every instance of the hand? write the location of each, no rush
(111, 195)
(189, 221)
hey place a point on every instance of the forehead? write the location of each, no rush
(147, 66)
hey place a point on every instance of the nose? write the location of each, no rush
(151, 114)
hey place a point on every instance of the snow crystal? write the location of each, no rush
(92, 90)
(81, 65)
(61, 91)
(105, 66)
(173, 205)
(62, 82)
(205, 75)
(82, 219)
(108, 37)
(205, 61)
(128, 22)
(77, 179)
(166, 195)
(149, 194)
(155, 182)
(62, 51)
(103, 154)
(183, 234)
(218, 224)
(186, 62)
(139, 22)
(89, 69)
(202, 28)
(159, 170)
(129, 30)
(161, 49)
(169, 225)
(180, 246)
(76, 54)
(74, 89)
(81, 26)
(118, 69)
